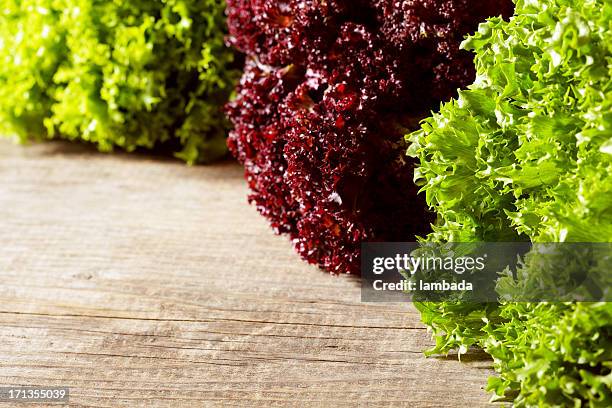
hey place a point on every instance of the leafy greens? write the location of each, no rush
(525, 154)
(115, 73)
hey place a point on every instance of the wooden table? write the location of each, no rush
(139, 281)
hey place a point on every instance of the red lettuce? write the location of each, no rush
(329, 90)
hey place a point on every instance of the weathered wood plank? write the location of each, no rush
(143, 282)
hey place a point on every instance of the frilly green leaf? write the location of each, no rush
(137, 74)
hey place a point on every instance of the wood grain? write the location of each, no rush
(139, 281)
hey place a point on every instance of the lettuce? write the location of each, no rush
(525, 154)
(137, 74)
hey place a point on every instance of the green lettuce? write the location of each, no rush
(526, 154)
(135, 74)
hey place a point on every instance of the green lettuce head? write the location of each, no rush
(526, 151)
(526, 154)
(136, 74)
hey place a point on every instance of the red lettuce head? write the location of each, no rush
(329, 90)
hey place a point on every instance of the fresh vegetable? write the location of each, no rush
(128, 74)
(546, 354)
(524, 154)
(328, 91)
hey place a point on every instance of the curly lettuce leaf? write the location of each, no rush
(137, 74)
(524, 154)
